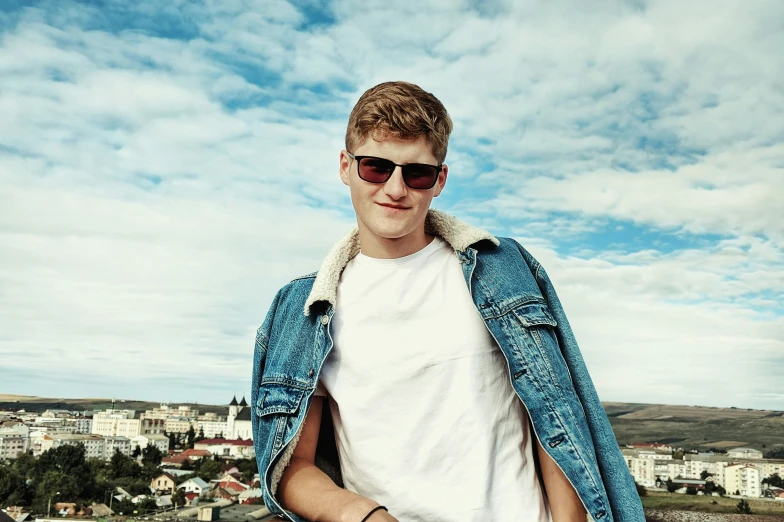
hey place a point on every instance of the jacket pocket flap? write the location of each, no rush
(535, 314)
(278, 398)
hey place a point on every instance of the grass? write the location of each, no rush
(665, 501)
(695, 426)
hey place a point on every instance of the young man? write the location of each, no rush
(440, 354)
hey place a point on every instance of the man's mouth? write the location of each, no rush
(389, 205)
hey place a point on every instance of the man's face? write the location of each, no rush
(391, 210)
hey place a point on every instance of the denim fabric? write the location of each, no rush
(517, 301)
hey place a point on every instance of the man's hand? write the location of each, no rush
(311, 494)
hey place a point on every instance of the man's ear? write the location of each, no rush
(345, 166)
(441, 183)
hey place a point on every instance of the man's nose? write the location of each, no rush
(395, 187)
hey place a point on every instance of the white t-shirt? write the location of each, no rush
(426, 420)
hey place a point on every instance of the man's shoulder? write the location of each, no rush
(298, 288)
(507, 255)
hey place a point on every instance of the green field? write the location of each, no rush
(696, 427)
(667, 501)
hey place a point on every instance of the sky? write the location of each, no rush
(166, 167)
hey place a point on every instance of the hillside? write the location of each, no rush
(696, 427)
(690, 427)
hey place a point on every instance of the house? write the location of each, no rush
(195, 485)
(191, 455)
(191, 499)
(163, 483)
(224, 494)
(249, 496)
(685, 484)
(65, 509)
(236, 448)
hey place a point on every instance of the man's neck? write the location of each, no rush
(378, 247)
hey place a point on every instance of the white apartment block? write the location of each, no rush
(93, 444)
(123, 444)
(159, 441)
(83, 425)
(742, 478)
(116, 423)
(643, 470)
(179, 425)
(212, 426)
(165, 411)
(152, 426)
(13, 443)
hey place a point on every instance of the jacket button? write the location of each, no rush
(324, 319)
(310, 373)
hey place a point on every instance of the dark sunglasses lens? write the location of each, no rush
(420, 176)
(375, 170)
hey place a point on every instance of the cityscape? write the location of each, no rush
(173, 460)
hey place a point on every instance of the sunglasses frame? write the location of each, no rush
(403, 169)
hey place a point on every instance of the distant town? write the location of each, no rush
(174, 460)
(123, 462)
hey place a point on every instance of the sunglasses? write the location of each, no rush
(379, 170)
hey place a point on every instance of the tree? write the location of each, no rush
(704, 475)
(137, 451)
(123, 466)
(146, 505)
(671, 487)
(172, 440)
(691, 490)
(70, 461)
(201, 434)
(58, 487)
(13, 487)
(743, 507)
(209, 470)
(190, 437)
(777, 453)
(774, 481)
(186, 465)
(178, 497)
(152, 455)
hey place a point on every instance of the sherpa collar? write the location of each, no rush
(458, 234)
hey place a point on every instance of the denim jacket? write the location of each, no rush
(520, 308)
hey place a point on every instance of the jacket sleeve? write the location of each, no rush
(259, 357)
(619, 484)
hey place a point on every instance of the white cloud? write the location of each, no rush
(155, 191)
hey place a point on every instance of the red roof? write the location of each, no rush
(194, 453)
(228, 486)
(191, 495)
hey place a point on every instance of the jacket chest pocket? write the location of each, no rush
(277, 404)
(540, 342)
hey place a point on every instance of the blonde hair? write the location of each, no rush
(401, 110)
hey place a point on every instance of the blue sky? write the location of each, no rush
(164, 169)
